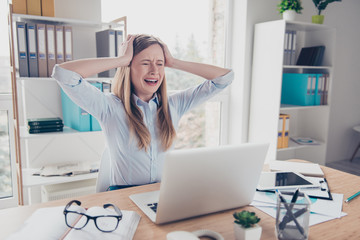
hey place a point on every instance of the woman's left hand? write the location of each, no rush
(169, 59)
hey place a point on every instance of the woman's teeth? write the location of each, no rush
(151, 80)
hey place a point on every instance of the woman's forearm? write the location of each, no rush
(91, 66)
(206, 71)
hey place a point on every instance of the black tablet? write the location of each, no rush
(284, 180)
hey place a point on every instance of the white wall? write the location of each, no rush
(89, 10)
(345, 101)
(246, 13)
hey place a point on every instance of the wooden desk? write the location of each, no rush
(222, 222)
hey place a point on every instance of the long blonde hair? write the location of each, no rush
(123, 89)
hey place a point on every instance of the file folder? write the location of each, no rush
(119, 36)
(280, 130)
(19, 6)
(33, 7)
(73, 115)
(105, 47)
(59, 32)
(22, 49)
(94, 124)
(298, 89)
(51, 46)
(41, 48)
(68, 48)
(293, 48)
(32, 53)
(319, 89)
(286, 126)
(48, 8)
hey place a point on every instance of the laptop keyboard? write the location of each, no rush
(153, 206)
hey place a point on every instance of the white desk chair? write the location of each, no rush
(356, 129)
(103, 180)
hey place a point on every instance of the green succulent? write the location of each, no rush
(245, 218)
(294, 5)
(322, 4)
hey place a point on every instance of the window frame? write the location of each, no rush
(6, 105)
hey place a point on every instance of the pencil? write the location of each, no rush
(352, 197)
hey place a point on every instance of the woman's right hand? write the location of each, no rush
(126, 50)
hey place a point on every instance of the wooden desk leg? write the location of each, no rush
(357, 148)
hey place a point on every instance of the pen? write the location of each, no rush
(352, 197)
(286, 219)
(289, 212)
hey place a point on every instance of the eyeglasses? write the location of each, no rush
(76, 217)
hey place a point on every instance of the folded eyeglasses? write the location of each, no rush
(76, 217)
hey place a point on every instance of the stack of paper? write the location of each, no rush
(68, 169)
(307, 169)
(321, 210)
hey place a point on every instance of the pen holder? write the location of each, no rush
(292, 216)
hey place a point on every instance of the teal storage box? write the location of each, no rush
(300, 89)
(73, 115)
(94, 124)
(77, 118)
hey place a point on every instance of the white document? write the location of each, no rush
(315, 218)
(307, 169)
(321, 210)
(49, 223)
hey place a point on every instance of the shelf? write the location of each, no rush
(296, 107)
(108, 80)
(307, 67)
(24, 134)
(32, 181)
(294, 146)
(304, 26)
(74, 22)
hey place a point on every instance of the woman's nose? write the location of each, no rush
(154, 68)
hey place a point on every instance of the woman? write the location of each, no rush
(138, 118)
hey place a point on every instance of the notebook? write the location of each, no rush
(204, 180)
(307, 169)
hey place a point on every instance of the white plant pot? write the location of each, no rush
(241, 233)
(289, 15)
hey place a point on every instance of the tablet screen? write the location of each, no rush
(272, 180)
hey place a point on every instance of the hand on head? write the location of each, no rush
(169, 59)
(126, 48)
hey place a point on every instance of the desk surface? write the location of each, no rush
(222, 222)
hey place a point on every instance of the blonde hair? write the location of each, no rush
(123, 89)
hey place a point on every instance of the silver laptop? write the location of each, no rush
(204, 180)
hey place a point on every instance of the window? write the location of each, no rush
(193, 31)
(8, 190)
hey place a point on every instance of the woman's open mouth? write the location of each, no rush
(151, 81)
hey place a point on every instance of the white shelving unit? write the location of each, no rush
(265, 107)
(40, 97)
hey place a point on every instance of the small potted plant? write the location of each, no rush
(245, 226)
(289, 9)
(321, 5)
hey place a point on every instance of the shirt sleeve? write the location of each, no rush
(81, 92)
(186, 100)
(66, 77)
(224, 81)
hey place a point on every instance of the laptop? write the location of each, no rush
(204, 180)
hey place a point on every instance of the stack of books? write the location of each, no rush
(311, 56)
(43, 125)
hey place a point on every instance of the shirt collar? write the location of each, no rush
(140, 102)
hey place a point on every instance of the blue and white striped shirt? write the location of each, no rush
(128, 164)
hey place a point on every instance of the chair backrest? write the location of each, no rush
(103, 180)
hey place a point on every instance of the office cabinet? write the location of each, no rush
(267, 73)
